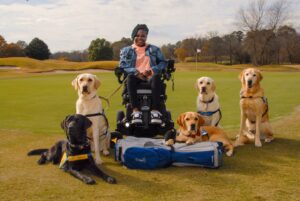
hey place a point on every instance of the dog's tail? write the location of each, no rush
(36, 152)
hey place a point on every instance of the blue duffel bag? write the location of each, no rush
(147, 158)
(143, 153)
(203, 154)
(148, 153)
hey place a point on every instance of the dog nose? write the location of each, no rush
(193, 127)
(203, 89)
(249, 82)
(85, 88)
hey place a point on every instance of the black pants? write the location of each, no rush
(156, 85)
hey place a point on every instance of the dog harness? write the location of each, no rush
(210, 113)
(79, 157)
(264, 99)
(100, 114)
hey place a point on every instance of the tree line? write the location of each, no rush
(262, 38)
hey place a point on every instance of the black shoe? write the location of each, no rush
(136, 118)
(156, 117)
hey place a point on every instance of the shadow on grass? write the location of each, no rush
(251, 160)
(247, 161)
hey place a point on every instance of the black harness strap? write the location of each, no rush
(100, 114)
(95, 114)
(219, 118)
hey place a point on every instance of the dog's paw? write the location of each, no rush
(111, 180)
(105, 152)
(98, 161)
(189, 142)
(41, 161)
(169, 142)
(229, 153)
(89, 180)
(258, 143)
(268, 140)
(238, 143)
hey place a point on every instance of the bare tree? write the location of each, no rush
(260, 21)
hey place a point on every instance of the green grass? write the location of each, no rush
(32, 107)
(28, 100)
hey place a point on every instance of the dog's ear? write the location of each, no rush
(213, 85)
(196, 85)
(180, 120)
(87, 123)
(75, 83)
(63, 123)
(199, 124)
(201, 121)
(97, 82)
(259, 74)
(241, 77)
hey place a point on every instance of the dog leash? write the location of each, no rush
(107, 99)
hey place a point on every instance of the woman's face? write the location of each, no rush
(140, 38)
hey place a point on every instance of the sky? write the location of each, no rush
(67, 25)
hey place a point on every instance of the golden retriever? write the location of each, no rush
(208, 101)
(90, 105)
(191, 130)
(254, 110)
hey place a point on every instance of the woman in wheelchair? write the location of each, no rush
(143, 62)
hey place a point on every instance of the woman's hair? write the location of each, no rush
(137, 28)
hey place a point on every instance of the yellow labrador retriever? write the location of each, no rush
(254, 110)
(90, 105)
(191, 130)
(208, 101)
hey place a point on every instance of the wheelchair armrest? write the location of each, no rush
(120, 74)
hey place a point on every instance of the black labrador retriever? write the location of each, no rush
(73, 154)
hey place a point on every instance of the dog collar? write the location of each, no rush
(211, 100)
(193, 136)
(82, 146)
(248, 97)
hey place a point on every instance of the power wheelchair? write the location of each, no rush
(144, 95)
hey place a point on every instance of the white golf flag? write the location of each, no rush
(198, 50)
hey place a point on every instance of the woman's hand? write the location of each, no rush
(147, 73)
